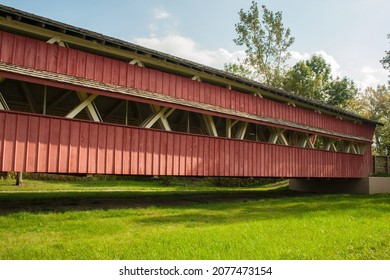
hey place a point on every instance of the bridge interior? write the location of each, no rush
(54, 101)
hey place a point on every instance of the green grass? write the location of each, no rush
(144, 220)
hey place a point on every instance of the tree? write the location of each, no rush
(266, 41)
(308, 78)
(312, 79)
(340, 91)
(386, 60)
(375, 104)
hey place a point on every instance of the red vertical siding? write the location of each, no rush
(47, 144)
(29, 52)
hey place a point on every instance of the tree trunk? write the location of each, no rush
(19, 179)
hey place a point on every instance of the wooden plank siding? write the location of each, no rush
(32, 53)
(37, 143)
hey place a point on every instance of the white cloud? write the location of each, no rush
(160, 14)
(367, 76)
(187, 48)
(372, 77)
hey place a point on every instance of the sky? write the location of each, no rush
(350, 34)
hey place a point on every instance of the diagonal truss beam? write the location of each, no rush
(331, 145)
(91, 108)
(163, 120)
(3, 103)
(74, 112)
(229, 125)
(306, 141)
(29, 98)
(277, 136)
(241, 130)
(160, 114)
(210, 125)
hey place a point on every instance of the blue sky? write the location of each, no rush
(350, 34)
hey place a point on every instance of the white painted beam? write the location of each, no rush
(196, 78)
(330, 145)
(136, 62)
(3, 103)
(242, 130)
(56, 40)
(277, 136)
(229, 125)
(305, 141)
(91, 108)
(228, 128)
(163, 120)
(160, 114)
(210, 125)
(80, 107)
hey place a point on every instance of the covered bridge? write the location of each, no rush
(75, 101)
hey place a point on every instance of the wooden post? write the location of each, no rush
(44, 100)
(19, 179)
(387, 165)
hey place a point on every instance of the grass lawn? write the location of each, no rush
(144, 220)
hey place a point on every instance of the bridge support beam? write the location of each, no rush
(370, 185)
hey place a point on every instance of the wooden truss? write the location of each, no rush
(173, 119)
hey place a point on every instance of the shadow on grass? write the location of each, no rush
(222, 205)
(57, 201)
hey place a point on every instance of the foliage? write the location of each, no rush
(386, 59)
(141, 223)
(266, 41)
(340, 91)
(312, 79)
(308, 78)
(375, 104)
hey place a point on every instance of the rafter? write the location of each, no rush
(196, 78)
(136, 62)
(56, 40)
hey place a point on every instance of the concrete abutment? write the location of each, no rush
(370, 185)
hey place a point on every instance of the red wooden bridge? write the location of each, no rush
(75, 101)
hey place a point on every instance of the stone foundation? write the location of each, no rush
(370, 185)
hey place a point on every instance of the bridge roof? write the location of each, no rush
(44, 28)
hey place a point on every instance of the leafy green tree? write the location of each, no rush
(312, 79)
(266, 41)
(340, 91)
(308, 78)
(386, 60)
(375, 104)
